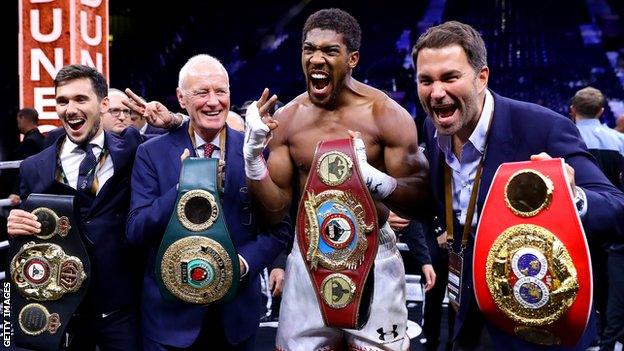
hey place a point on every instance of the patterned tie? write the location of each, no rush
(86, 171)
(208, 150)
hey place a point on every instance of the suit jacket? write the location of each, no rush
(53, 136)
(518, 131)
(114, 276)
(154, 178)
(32, 144)
(154, 130)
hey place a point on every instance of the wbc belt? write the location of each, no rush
(49, 271)
(197, 262)
(532, 269)
(337, 234)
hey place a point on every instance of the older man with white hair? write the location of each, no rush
(204, 92)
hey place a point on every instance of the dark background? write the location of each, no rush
(535, 48)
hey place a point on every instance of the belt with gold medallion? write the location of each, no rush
(337, 234)
(197, 262)
(532, 269)
(49, 270)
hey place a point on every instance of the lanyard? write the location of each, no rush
(448, 197)
(471, 205)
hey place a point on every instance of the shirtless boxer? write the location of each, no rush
(336, 106)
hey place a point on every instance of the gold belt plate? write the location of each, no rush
(197, 210)
(35, 319)
(51, 223)
(342, 209)
(197, 270)
(44, 272)
(531, 276)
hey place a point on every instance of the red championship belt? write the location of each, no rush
(337, 234)
(532, 269)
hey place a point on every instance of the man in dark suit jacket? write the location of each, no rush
(140, 122)
(452, 76)
(108, 315)
(53, 136)
(27, 120)
(204, 92)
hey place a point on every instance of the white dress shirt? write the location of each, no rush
(199, 150)
(72, 155)
(464, 169)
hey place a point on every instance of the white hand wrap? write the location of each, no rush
(257, 136)
(379, 183)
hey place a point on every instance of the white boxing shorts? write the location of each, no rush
(301, 326)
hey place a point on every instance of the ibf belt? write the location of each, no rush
(337, 234)
(197, 262)
(49, 271)
(532, 270)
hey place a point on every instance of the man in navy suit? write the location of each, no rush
(452, 76)
(203, 90)
(140, 122)
(108, 315)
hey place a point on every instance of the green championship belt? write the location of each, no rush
(197, 262)
(49, 271)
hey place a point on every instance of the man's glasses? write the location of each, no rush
(116, 112)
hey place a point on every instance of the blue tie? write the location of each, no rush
(86, 171)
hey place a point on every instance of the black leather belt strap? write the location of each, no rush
(48, 273)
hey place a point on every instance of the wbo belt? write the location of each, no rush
(197, 262)
(337, 235)
(49, 271)
(532, 269)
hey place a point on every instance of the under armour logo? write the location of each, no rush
(383, 333)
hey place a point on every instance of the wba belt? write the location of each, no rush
(197, 262)
(49, 271)
(337, 234)
(532, 269)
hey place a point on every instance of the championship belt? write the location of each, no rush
(49, 271)
(532, 269)
(197, 262)
(337, 234)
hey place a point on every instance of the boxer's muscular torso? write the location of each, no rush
(387, 130)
